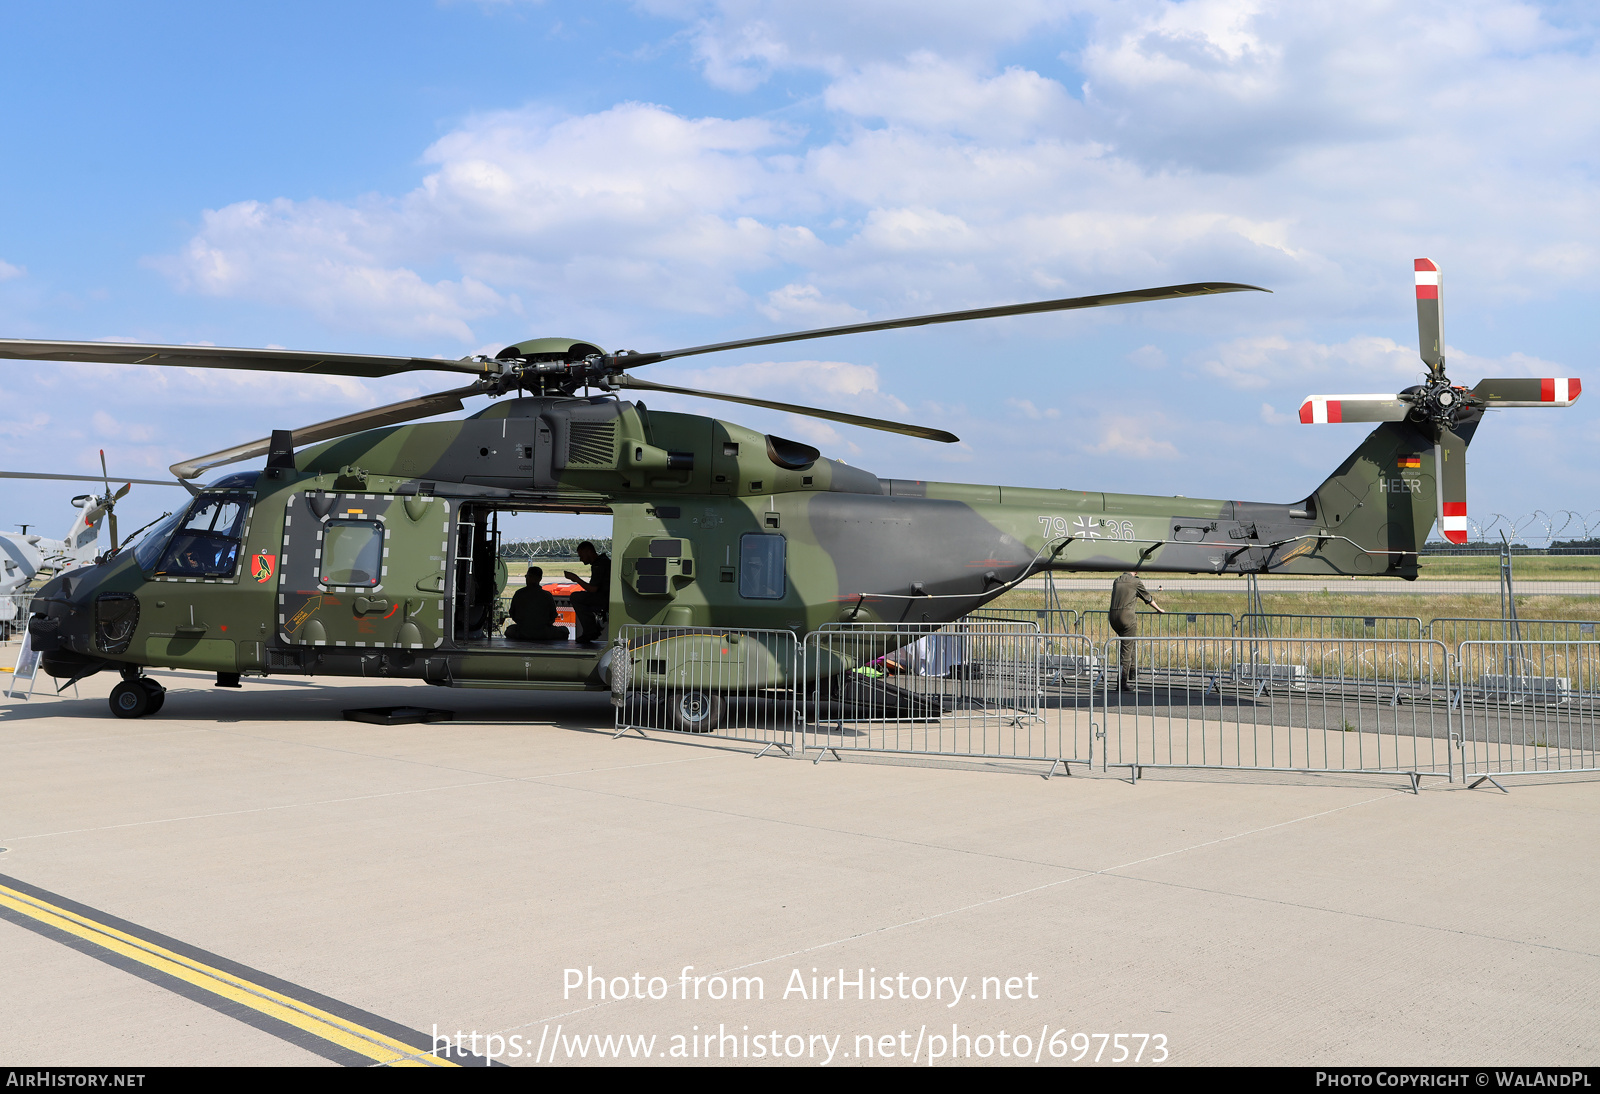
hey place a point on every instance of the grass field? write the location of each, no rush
(1527, 567)
(1423, 607)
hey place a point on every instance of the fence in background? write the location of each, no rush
(1309, 698)
(982, 690)
(1288, 704)
(1528, 706)
(1452, 632)
(736, 685)
(13, 614)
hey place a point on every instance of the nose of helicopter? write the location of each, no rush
(61, 623)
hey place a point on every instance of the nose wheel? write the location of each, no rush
(137, 697)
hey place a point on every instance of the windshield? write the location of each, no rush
(154, 541)
(206, 543)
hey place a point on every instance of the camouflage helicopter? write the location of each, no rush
(367, 547)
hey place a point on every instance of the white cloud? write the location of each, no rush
(1314, 150)
(1026, 408)
(933, 92)
(1148, 357)
(8, 271)
(805, 304)
(1271, 416)
(1127, 435)
(740, 43)
(839, 381)
(1272, 360)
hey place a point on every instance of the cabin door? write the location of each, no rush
(364, 570)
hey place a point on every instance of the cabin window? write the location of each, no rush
(761, 561)
(352, 552)
(206, 543)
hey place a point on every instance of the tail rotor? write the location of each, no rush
(1445, 414)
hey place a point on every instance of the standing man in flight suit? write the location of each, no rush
(1125, 592)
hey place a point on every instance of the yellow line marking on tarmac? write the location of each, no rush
(319, 1023)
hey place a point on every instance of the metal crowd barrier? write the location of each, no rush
(736, 685)
(13, 614)
(1453, 631)
(974, 690)
(997, 690)
(1050, 620)
(1097, 625)
(1527, 706)
(1308, 705)
(1321, 628)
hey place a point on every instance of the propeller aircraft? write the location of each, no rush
(367, 546)
(24, 557)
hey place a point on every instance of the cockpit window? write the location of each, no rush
(155, 541)
(206, 542)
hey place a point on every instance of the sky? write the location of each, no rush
(446, 178)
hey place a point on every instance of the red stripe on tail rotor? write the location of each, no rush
(1547, 391)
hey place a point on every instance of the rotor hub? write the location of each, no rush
(1437, 401)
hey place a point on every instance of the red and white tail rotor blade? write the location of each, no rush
(1562, 391)
(1329, 409)
(1430, 323)
(1450, 475)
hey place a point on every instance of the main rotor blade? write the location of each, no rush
(1430, 322)
(258, 360)
(925, 432)
(82, 478)
(1324, 409)
(1450, 473)
(1525, 392)
(425, 406)
(1167, 292)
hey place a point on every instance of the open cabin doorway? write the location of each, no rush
(497, 543)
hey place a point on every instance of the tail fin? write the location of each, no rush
(1382, 501)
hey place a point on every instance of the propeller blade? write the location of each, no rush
(80, 478)
(111, 519)
(425, 406)
(120, 494)
(1450, 473)
(1430, 324)
(925, 432)
(259, 360)
(105, 475)
(1166, 292)
(1525, 392)
(1327, 409)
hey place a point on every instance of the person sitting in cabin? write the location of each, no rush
(595, 598)
(533, 612)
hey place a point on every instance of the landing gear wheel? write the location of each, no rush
(130, 700)
(694, 711)
(158, 694)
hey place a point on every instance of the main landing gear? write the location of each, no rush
(137, 695)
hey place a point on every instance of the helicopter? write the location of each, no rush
(368, 547)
